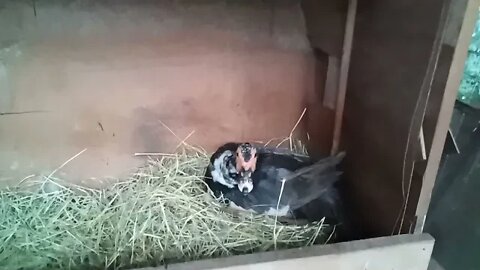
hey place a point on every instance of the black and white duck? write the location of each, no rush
(253, 179)
(230, 163)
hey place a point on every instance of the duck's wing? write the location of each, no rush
(311, 182)
(210, 169)
(268, 160)
(230, 146)
(283, 152)
(318, 168)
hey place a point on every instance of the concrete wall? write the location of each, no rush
(105, 75)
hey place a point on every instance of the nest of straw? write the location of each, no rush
(161, 215)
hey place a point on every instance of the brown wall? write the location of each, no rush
(395, 51)
(325, 22)
(225, 70)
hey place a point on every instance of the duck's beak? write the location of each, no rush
(245, 182)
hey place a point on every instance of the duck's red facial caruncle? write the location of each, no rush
(246, 157)
(246, 162)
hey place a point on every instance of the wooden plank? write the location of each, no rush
(343, 76)
(372, 254)
(436, 93)
(413, 169)
(446, 110)
(331, 83)
(422, 153)
(393, 60)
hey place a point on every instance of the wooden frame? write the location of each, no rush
(371, 254)
(446, 109)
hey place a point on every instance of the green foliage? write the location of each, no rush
(469, 92)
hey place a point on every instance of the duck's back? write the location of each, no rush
(284, 160)
(304, 180)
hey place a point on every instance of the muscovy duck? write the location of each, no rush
(230, 163)
(253, 179)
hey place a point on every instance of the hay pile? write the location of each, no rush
(161, 215)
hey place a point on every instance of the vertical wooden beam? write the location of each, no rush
(343, 77)
(451, 89)
(422, 149)
(331, 83)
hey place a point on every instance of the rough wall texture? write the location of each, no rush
(106, 75)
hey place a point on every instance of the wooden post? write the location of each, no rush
(343, 77)
(446, 110)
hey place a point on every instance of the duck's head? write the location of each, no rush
(246, 162)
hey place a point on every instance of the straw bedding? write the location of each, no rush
(161, 215)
